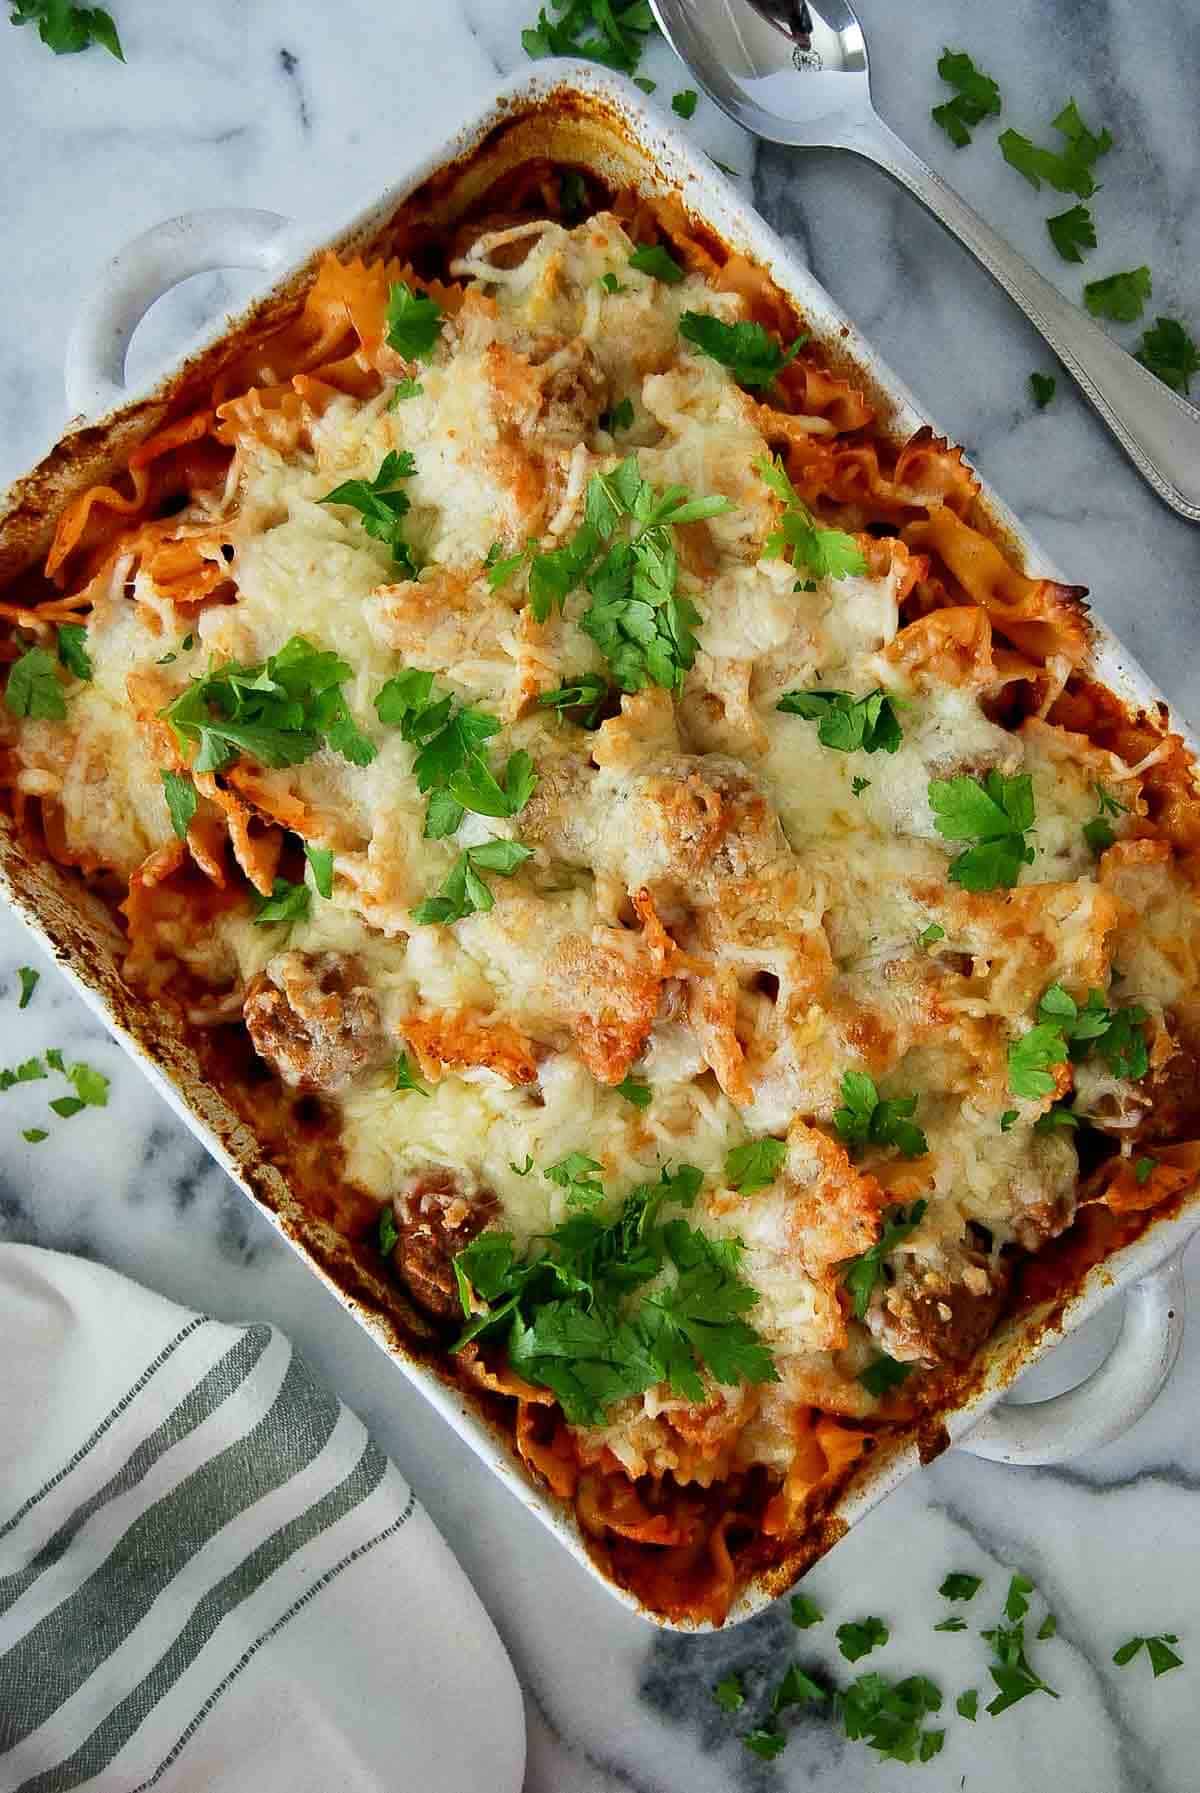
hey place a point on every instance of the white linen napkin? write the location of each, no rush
(210, 1576)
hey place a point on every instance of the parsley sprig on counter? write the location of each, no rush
(827, 553)
(1119, 297)
(382, 504)
(611, 32)
(67, 29)
(1068, 170)
(977, 97)
(1168, 351)
(567, 1316)
(1163, 1658)
(995, 813)
(278, 712)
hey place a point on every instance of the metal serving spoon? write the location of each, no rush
(795, 71)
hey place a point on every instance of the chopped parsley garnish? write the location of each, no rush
(977, 98)
(633, 1091)
(34, 688)
(31, 1071)
(413, 323)
(805, 1612)
(287, 903)
(67, 29)
(954, 1623)
(858, 786)
(967, 1705)
(644, 82)
(1065, 1030)
(1061, 1115)
(1143, 1170)
(862, 1273)
(34, 1135)
(180, 794)
(931, 935)
(1167, 350)
(797, 1689)
(608, 283)
(72, 650)
(728, 1694)
(995, 814)
(1030, 1059)
(859, 1638)
(828, 553)
(755, 1165)
(880, 1377)
(577, 1175)
(1119, 297)
(500, 567)
(887, 1715)
(278, 713)
(1162, 1657)
(765, 1743)
(960, 1586)
(464, 892)
(1099, 833)
(1016, 1601)
(382, 504)
(320, 860)
(29, 983)
(684, 103)
(451, 766)
(1011, 1669)
(521, 1170)
(1048, 1628)
(847, 723)
(619, 418)
(1069, 170)
(585, 695)
(404, 389)
(406, 1078)
(54, 1059)
(751, 354)
(91, 1088)
(653, 259)
(1042, 388)
(864, 1119)
(388, 1233)
(1007, 1118)
(1072, 232)
(567, 1320)
(611, 32)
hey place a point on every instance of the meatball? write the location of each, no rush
(933, 1318)
(435, 1219)
(313, 1016)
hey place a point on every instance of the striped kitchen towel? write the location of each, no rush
(210, 1576)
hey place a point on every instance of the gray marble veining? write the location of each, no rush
(309, 109)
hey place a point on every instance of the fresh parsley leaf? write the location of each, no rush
(861, 1274)
(765, 1743)
(1030, 1059)
(755, 1165)
(464, 892)
(1143, 1168)
(995, 813)
(402, 390)
(1047, 1628)
(863, 1119)
(931, 935)
(1120, 297)
(638, 1093)
(1162, 1656)
(1016, 1601)
(1123, 1045)
(54, 1059)
(72, 650)
(320, 860)
(382, 503)
(653, 259)
(960, 1586)
(521, 1170)
(931, 1745)
(685, 103)
(978, 97)
(66, 1106)
(33, 687)
(797, 1689)
(953, 1623)
(609, 283)
(728, 1694)
(406, 1078)
(880, 1377)
(888, 1715)
(91, 1086)
(859, 1638)
(287, 903)
(1042, 387)
(1007, 1118)
(414, 322)
(29, 983)
(605, 31)
(500, 567)
(846, 723)
(576, 1174)
(34, 1135)
(1168, 351)
(619, 418)
(1065, 1031)
(278, 712)
(1069, 171)
(180, 794)
(829, 553)
(387, 1233)
(1072, 232)
(646, 85)
(585, 695)
(967, 1705)
(67, 29)
(805, 1612)
(1011, 1669)
(32, 1071)
(859, 785)
(753, 356)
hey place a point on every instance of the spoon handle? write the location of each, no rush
(1158, 431)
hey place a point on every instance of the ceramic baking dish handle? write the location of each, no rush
(1113, 1396)
(146, 268)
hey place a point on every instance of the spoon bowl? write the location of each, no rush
(797, 72)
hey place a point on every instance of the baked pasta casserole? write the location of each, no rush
(628, 835)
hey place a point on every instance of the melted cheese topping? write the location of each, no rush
(795, 881)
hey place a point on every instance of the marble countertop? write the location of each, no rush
(308, 110)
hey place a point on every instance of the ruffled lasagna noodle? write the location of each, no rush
(715, 903)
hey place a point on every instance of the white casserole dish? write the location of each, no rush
(80, 933)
